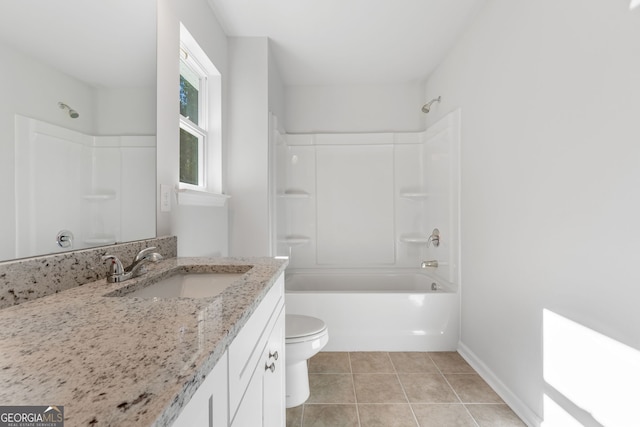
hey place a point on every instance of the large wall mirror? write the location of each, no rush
(77, 124)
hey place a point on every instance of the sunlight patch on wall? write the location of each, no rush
(596, 373)
(633, 4)
(556, 416)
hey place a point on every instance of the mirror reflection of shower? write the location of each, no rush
(72, 113)
(427, 107)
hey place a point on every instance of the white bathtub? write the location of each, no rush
(381, 311)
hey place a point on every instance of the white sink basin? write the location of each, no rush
(188, 285)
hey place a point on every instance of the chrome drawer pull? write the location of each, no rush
(271, 367)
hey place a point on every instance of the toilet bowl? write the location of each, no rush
(305, 337)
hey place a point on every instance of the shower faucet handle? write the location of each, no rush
(434, 238)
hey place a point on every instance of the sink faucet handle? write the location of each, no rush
(116, 267)
(143, 253)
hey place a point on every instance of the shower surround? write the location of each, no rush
(368, 202)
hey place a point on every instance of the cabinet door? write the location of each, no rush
(250, 410)
(273, 384)
(219, 400)
(208, 406)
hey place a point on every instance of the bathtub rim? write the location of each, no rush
(445, 286)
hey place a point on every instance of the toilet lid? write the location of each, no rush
(297, 326)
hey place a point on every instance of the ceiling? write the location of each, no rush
(104, 43)
(346, 42)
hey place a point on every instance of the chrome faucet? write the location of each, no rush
(118, 273)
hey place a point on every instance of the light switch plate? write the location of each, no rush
(165, 198)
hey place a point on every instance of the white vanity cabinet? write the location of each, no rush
(256, 366)
(208, 407)
(247, 386)
(263, 401)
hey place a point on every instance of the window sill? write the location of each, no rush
(188, 197)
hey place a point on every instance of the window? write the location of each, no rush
(200, 118)
(193, 121)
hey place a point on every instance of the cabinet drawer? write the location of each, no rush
(246, 349)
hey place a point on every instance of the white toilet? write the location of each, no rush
(305, 337)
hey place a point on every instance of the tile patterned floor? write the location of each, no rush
(380, 389)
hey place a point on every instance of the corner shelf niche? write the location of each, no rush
(414, 238)
(294, 240)
(414, 195)
(294, 194)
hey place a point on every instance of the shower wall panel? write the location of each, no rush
(67, 180)
(355, 207)
(371, 199)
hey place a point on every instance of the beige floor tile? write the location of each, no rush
(330, 363)
(495, 415)
(412, 362)
(294, 416)
(378, 388)
(382, 397)
(386, 415)
(331, 388)
(450, 362)
(371, 363)
(330, 416)
(443, 415)
(427, 388)
(471, 388)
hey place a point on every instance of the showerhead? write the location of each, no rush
(427, 107)
(72, 113)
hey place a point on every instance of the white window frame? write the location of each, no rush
(210, 120)
(199, 130)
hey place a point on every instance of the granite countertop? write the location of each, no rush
(121, 361)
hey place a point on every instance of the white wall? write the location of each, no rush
(255, 91)
(276, 88)
(550, 184)
(126, 111)
(354, 108)
(200, 230)
(248, 149)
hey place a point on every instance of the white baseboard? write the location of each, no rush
(523, 411)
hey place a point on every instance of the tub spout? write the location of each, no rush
(432, 263)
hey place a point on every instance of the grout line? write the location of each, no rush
(454, 392)
(353, 382)
(395, 369)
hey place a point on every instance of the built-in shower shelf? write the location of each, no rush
(101, 239)
(414, 195)
(294, 240)
(96, 197)
(414, 238)
(418, 196)
(294, 194)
